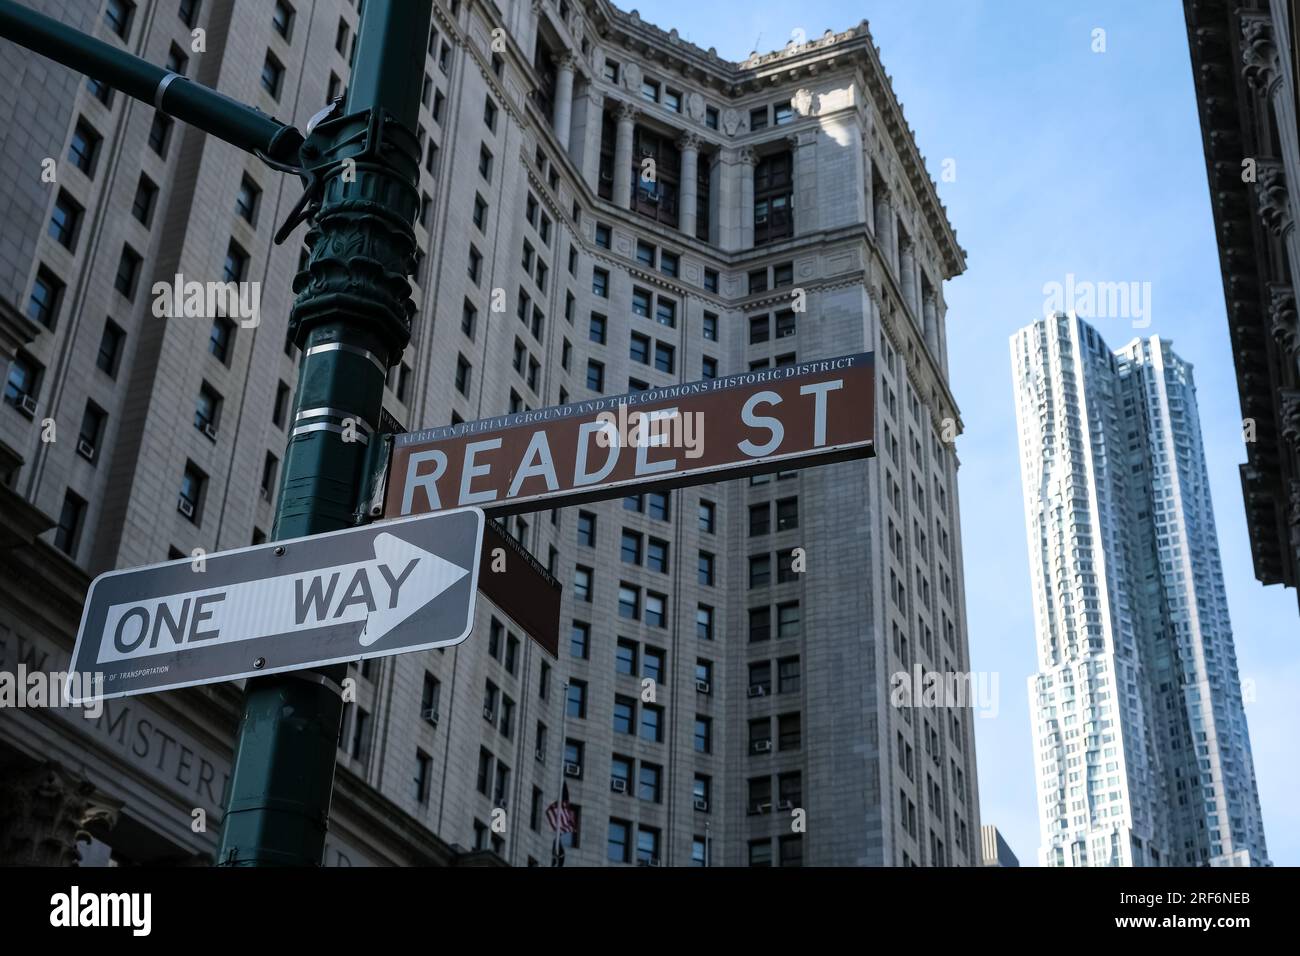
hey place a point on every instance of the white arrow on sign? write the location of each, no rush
(383, 593)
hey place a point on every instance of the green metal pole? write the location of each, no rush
(352, 319)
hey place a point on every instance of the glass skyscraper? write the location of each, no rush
(1142, 755)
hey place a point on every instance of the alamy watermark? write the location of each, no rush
(657, 428)
(31, 689)
(206, 300)
(1099, 300)
(975, 689)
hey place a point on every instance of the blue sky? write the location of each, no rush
(1067, 161)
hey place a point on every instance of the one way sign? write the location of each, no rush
(389, 588)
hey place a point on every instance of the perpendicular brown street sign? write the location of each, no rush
(765, 420)
(517, 583)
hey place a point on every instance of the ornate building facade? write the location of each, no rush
(606, 208)
(1245, 62)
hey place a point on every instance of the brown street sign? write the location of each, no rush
(517, 583)
(766, 420)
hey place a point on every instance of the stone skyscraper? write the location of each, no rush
(552, 269)
(1142, 755)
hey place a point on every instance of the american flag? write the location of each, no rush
(560, 815)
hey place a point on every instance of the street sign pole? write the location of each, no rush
(352, 320)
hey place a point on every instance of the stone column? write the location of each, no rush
(746, 160)
(930, 325)
(626, 115)
(688, 200)
(907, 278)
(45, 811)
(591, 110)
(883, 224)
(564, 71)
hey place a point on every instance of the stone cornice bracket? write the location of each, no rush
(747, 156)
(626, 112)
(1271, 196)
(1259, 51)
(1289, 405)
(1282, 312)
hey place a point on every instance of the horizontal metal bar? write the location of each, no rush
(215, 113)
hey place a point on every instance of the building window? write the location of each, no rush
(652, 723)
(704, 622)
(67, 533)
(272, 75)
(580, 640)
(160, 134)
(576, 703)
(46, 297)
(206, 410)
(600, 283)
(760, 853)
(247, 200)
(760, 624)
(146, 197)
(582, 584)
(236, 265)
(65, 220)
(703, 734)
(22, 388)
(485, 162)
(595, 376)
(220, 337)
(118, 15)
(100, 91)
(83, 151)
(586, 529)
(773, 198)
(128, 271)
(705, 568)
(788, 620)
(270, 466)
(190, 501)
(596, 328)
(708, 512)
(110, 348)
(282, 18)
(629, 602)
(624, 715)
(782, 114)
(617, 849)
(423, 772)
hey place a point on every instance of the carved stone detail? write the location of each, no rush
(45, 812)
(626, 111)
(1271, 196)
(730, 121)
(1258, 51)
(1282, 312)
(632, 77)
(804, 102)
(1289, 405)
(695, 106)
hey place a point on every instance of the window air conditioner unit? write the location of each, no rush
(185, 507)
(27, 404)
(85, 449)
(618, 785)
(430, 715)
(702, 686)
(210, 430)
(762, 746)
(540, 754)
(489, 713)
(572, 769)
(786, 805)
(701, 804)
(756, 690)
(652, 861)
